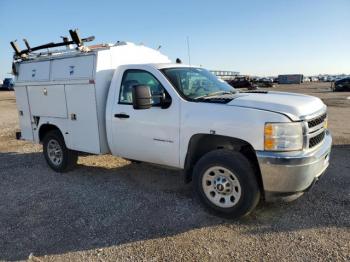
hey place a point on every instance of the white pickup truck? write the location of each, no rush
(130, 101)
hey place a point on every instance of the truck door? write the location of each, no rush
(149, 135)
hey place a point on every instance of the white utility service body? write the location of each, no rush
(79, 94)
(70, 91)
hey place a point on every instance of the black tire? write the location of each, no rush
(242, 169)
(69, 158)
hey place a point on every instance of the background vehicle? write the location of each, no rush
(306, 79)
(342, 85)
(330, 79)
(264, 82)
(290, 79)
(8, 84)
(130, 101)
(242, 82)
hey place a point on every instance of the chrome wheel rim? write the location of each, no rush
(54, 152)
(221, 187)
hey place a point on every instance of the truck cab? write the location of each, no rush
(131, 101)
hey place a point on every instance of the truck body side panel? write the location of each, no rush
(34, 71)
(103, 76)
(82, 118)
(47, 100)
(73, 68)
(24, 115)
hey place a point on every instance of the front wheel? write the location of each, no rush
(226, 184)
(57, 155)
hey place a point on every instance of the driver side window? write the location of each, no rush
(135, 77)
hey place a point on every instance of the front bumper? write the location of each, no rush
(288, 173)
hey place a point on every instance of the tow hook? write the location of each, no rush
(18, 135)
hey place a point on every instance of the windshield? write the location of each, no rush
(195, 83)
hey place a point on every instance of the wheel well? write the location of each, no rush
(44, 129)
(201, 144)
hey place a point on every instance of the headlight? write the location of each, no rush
(283, 136)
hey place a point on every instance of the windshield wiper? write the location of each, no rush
(213, 94)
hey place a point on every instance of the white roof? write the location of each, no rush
(123, 51)
(171, 65)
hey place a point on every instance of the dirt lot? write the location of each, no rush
(112, 210)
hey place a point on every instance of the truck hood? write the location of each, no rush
(295, 106)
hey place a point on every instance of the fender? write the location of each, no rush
(200, 144)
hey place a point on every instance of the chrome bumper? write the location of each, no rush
(293, 172)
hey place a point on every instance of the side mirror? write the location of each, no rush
(165, 101)
(141, 97)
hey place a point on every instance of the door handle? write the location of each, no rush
(121, 115)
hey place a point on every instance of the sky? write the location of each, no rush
(254, 37)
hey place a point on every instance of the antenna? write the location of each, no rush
(188, 51)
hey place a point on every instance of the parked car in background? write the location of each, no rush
(306, 79)
(313, 79)
(254, 78)
(7, 84)
(242, 82)
(341, 85)
(264, 82)
(330, 79)
(337, 78)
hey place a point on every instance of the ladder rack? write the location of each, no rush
(28, 53)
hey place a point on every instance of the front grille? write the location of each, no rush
(314, 141)
(317, 121)
(316, 131)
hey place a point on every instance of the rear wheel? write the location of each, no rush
(57, 155)
(226, 184)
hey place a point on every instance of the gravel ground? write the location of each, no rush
(112, 210)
